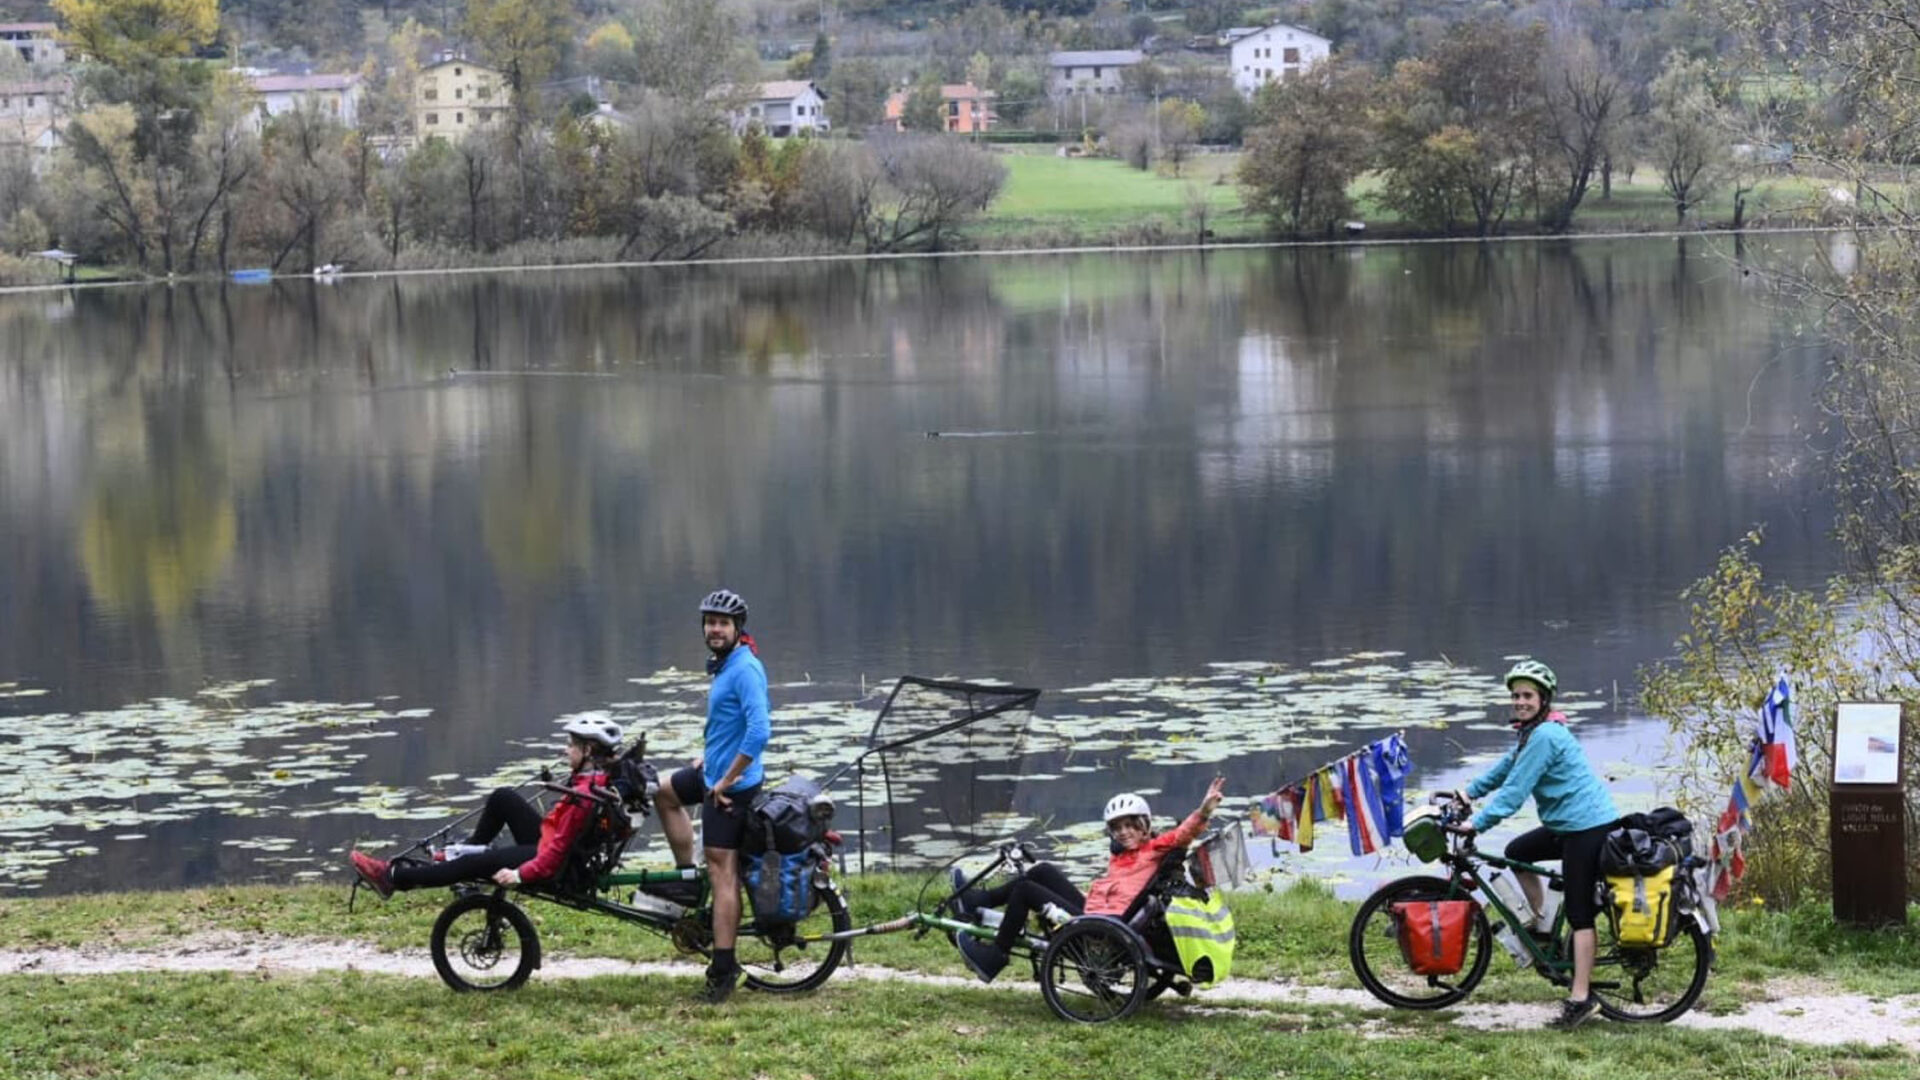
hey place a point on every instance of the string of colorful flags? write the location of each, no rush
(1366, 788)
(1770, 761)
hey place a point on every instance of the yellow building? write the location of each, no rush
(455, 96)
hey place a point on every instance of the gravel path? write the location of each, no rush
(1806, 1013)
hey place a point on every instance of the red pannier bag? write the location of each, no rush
(1433, 934)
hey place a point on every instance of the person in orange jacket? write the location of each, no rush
(1135, 859)
(540, 844)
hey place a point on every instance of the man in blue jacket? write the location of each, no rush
(724, 780)
(1576, 813)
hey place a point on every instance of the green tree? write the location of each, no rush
(1686, 137)
(1855, 639)
(387, 106)
(610, 53)
(1177, 127)
(980, 71)
(690, 47)
(523, 38)
(1213, 16)
(134, 35)
(1742, 634)
(1307, 143)
(856, 94)
(1020, 92)
(925, 108)
(1459, 129)
(820, 59)
(151, 181)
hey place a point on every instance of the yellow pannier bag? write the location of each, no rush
(1643, 911)
(1203, 936)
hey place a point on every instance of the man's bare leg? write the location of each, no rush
(676, 823)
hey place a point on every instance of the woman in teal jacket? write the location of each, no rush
(1576, 812)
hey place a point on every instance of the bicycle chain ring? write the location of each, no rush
(692, 935)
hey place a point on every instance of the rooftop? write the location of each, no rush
(294, 84)
(1239, 32)
(784, 89)
(1097, 58)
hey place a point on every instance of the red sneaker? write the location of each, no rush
(375, 872)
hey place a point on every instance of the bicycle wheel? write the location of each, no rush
(1093, 971)
(1651, 986)
(776, 961)
(1373, 947)
(483, 943)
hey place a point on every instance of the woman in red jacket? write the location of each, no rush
(1135, 860)
(540, 845)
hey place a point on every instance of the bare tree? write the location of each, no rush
(231, 154)
(1198, 211)
(305, 182)
(1584, 102)
(933, 185)
(839, 184)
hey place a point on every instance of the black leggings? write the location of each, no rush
(1042, 884)
(1579, 855)
(505, 809)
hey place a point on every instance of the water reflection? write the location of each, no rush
(497, 497)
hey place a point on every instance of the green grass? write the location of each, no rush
(1089, 199)
(1298, 934)
(1054, 200)
(187, 1027)
(266, 1025)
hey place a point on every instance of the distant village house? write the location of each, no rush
(964, 109)
(37, 98)
(455, 96)
(1271, 53)
(337, 96)
(1095, 72)
(781, 109)
(33, 117)
(37, 43)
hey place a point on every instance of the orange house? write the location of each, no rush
(965, 107)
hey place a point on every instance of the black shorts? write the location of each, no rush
(720, 827)
(1579, 855)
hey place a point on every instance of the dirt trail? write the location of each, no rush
(1806, 1013)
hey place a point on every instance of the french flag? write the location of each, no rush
(1774, 755)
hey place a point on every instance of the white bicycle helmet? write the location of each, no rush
(1126, 805)
(1536, 673)
(593, 730)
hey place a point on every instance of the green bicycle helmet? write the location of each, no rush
(1534, 672)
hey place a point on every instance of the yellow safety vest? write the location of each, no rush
(1203, 936)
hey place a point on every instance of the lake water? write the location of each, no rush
(287, 567)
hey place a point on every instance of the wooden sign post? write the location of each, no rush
(1867, 821)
